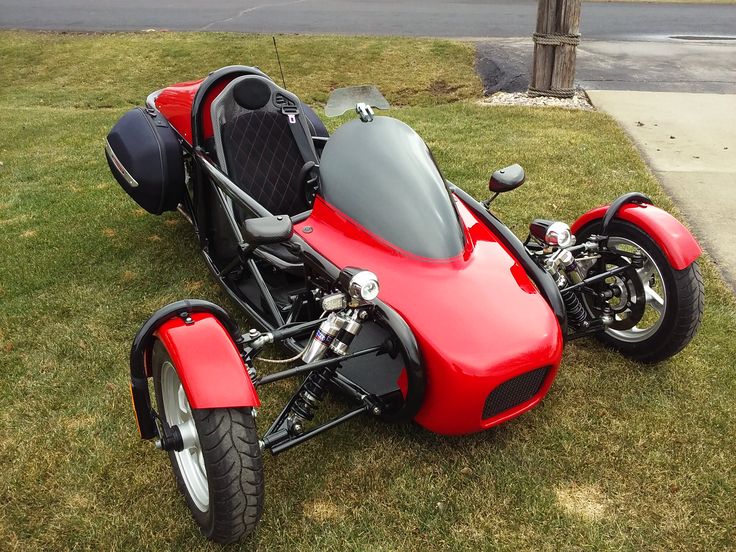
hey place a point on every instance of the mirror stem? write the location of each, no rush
(488, 201)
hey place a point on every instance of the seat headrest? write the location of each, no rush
(252, 93)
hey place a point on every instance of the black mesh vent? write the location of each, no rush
(513, 392)
(280, 100)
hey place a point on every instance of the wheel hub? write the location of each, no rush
(639, 296)
(178, 414)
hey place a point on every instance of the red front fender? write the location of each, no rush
(208, 363)
(676, 241)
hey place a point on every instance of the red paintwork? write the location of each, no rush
(478, 318)
(676, 241)
(175, 103)
(208, 363)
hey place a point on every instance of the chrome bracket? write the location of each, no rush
(364, 111)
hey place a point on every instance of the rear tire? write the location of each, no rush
(679, 303)
(221, 475)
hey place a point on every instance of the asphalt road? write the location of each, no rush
(443, 18)
(668, 65)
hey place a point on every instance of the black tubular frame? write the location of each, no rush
(317, 365)
(632, 197)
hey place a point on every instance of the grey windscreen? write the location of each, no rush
(382, 175)
(345, 99)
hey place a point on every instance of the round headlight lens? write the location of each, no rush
(364, 285)
(369, 291)
(559, 234)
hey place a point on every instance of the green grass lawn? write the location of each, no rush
(618, 456)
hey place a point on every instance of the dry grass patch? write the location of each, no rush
(585, 501)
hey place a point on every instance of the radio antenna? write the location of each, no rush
(283, 80)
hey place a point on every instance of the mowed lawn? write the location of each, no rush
(618, 456)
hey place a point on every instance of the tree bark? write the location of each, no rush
(563, 76)
(544, 55)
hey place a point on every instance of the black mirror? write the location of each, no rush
(266, 230)
(506, 179)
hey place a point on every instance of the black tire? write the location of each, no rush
(233, 463)
(683, 308)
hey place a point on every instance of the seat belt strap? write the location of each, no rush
(303, 139)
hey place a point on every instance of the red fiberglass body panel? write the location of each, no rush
(678, 244)
(175, 103)
(477, 317)
(208, 363)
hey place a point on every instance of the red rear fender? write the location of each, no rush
(676, 241)
(208, 363)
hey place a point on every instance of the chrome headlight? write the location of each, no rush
(363, 286)
(559, 234)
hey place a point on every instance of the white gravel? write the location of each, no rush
(579, 101)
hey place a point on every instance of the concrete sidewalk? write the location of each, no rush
(690, 143)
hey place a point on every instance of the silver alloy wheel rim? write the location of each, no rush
(654, 300)
(189, 459)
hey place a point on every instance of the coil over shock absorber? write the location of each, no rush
(334, 334)
(575, 311)
(574, 306)
(313, 392)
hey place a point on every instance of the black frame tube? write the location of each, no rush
(281, 447)
(267, 295)
(230, 189)
(612, 211)
(598, 277)
(291, 372)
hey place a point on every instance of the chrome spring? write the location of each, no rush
(573, 304)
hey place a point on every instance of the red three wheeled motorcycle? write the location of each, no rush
(388, 284)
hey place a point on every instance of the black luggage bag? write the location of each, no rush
(145, 156)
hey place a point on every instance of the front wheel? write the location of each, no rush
(657, 309)
(220, 469)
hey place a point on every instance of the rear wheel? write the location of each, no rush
(220, 469)
(657, 309)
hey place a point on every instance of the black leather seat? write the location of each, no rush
(263, 143)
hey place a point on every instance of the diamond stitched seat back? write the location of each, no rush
(263, 159)
(256, 147)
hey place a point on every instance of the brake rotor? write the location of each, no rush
(629, 304)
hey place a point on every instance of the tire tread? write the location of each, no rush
(232, 456)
